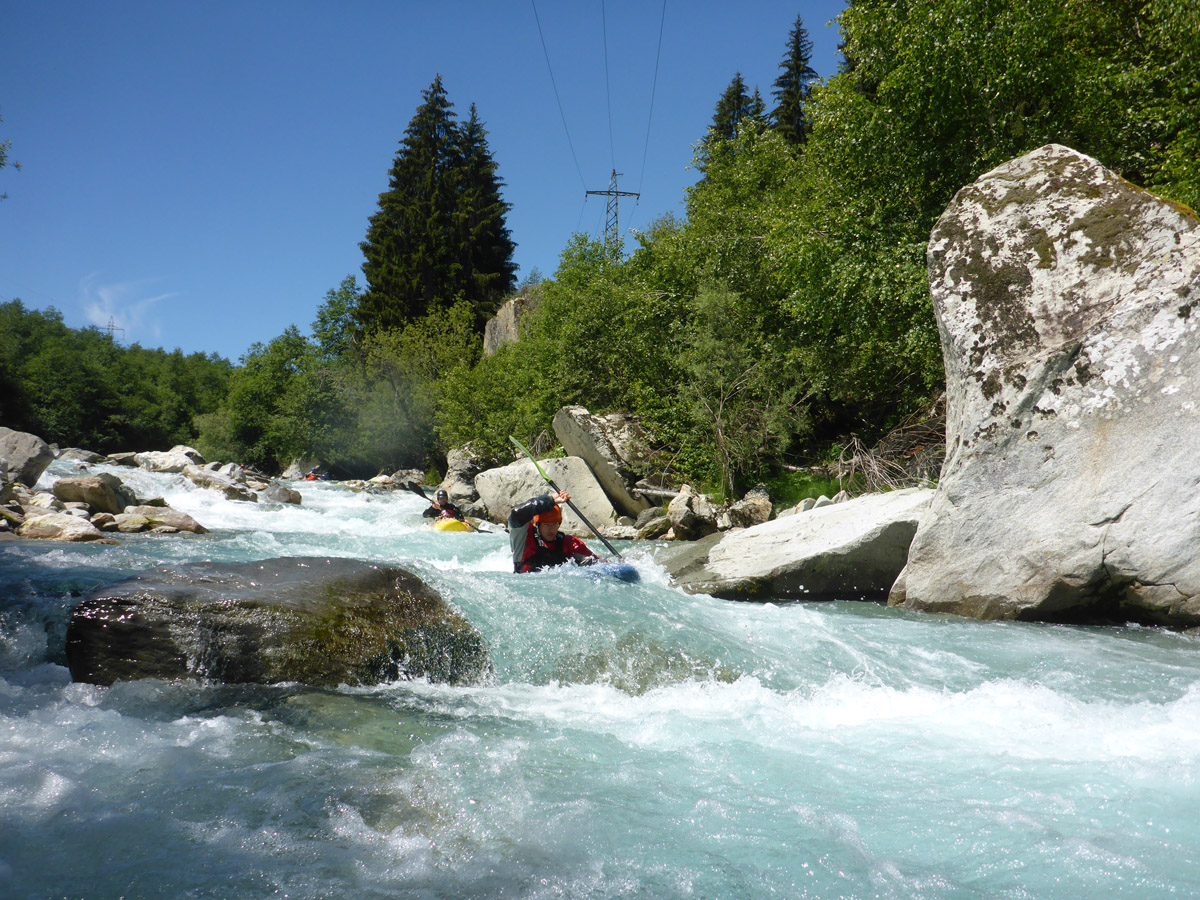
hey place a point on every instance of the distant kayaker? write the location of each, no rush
(536, 544)
(442, 508)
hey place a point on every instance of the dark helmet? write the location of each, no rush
(441, 496)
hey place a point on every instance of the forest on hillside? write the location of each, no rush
(783, 317)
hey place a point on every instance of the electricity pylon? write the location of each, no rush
(611, 231)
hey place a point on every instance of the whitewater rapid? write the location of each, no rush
(634, 742)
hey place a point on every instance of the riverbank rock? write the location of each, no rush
(27, 454)
(502, 488)
(505, 327)
(462, 465)
(316, 621)
(848, 551)
(692, 515)
(1068, 303)
(279, 493)
(59, 526)
(103, 493)
(215, 480)
(615, 447)
(298, 468)
(753, 509)
(83, 456)
(152, 518)
(174, 460)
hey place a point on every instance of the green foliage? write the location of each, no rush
(403, 375)
(439, 234)
(1175, 104)
(77, 387)
(789, 488)
(597, 338)
(738, 387)
(334, 329)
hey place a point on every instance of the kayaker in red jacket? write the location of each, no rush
(536, 543)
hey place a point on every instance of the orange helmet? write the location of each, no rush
(554, 514)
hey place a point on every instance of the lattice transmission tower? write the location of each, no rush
(611, 230)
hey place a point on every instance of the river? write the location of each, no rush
(634, 742)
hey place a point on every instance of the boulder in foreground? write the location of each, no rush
(1068, 302)
(315, 621)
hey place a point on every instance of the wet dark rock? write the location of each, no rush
(313, 621)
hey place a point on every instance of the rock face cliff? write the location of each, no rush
(1068, 303)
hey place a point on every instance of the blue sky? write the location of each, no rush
(202, 174)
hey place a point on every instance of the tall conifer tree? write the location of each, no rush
(734, 108)
(487, 243)
(438, 235)
(793, 87)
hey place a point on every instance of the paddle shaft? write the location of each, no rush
(575, 509)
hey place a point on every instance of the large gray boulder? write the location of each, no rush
(83, 456)
(848, 551)
(310, 620)
(615, 447)
(503, 488)
(505, 327)
(275, 492)
(1068, 303)
(59, 526)
(174, 460)
(143, 518)
(102, 493)
(216, 481)
(27, 454)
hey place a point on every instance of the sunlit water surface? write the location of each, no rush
(634, 742)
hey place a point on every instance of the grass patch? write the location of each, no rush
(790, 488)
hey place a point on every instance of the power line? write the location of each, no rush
(653, 89)
(608, 85)
(553, 84)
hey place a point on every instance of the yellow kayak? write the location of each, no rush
(450, 525)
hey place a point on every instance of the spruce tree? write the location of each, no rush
(439, 234)
(793, 87)
(487, 244)
(733, 110)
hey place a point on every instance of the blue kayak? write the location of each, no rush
(621, 571)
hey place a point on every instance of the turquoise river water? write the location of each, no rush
(634, 742)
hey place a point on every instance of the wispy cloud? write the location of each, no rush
(126, 305)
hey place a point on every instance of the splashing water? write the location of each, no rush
(634, 742)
